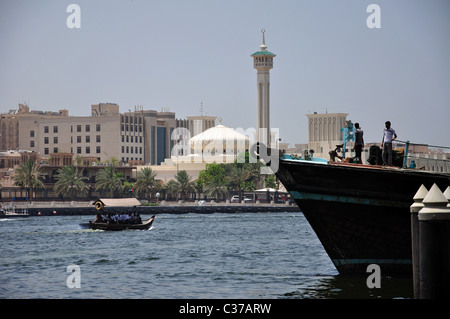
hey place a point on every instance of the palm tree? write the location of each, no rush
(184, 183)
(237, 177)
(108, 178)
(145, 181)
(215, 188)
(28, 175)
(172, 188)
(70, 182)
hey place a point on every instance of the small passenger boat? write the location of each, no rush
(146, 224)
(103, 222)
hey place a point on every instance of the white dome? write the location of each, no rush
(218, 135)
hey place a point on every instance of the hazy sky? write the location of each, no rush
(177, 54)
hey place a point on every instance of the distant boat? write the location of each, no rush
(360, 213)
(11, 212)
(118, 225)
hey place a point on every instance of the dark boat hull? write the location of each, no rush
(360, 214)
(146, 224)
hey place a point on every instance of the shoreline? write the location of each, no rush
(86, 208)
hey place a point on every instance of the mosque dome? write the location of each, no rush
(219, 139)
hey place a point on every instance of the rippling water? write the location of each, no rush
(246, 255)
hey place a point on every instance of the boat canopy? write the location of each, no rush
(117, 202)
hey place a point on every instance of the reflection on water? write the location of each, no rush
(353, 287)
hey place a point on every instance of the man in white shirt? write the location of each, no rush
(388, 136)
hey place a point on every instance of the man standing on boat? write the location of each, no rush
(359, 143)
(388, 136)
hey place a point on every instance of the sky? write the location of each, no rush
(180, 54)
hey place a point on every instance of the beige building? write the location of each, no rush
(324, 132)
(139, 136)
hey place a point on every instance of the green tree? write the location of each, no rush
(145, 182)
(29, 175)
(213, 181)
(70, 182)
(184, 183)
(270, 181)
(109, 179)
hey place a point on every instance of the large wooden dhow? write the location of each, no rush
(360, 213)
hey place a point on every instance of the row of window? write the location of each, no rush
(132, 139)
(87, 128)
(78, 128)
(131, 159)
(129, 149)
(131, 127)
(55, 139)
(79, 150)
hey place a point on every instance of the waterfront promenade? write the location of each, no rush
(172, 207)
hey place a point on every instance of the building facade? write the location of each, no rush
(135, 137)
(324, 132)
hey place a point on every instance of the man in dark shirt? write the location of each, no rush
(359, 142)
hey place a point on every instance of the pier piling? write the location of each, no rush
(414, 209)
(434, 246)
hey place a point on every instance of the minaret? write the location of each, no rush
(263, 62)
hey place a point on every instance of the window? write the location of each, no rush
(45, 129)
(97, 138)
(46, 140)
(88, 128)
(98, 150)
(46, 150)
(55, 139)
(78, 149)
(88, 139)
(31, 133)
(31, 143)
(78, 139)
(55, 129)
(88, 150)
(97, 127)
(55, 150)
(78, 128)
